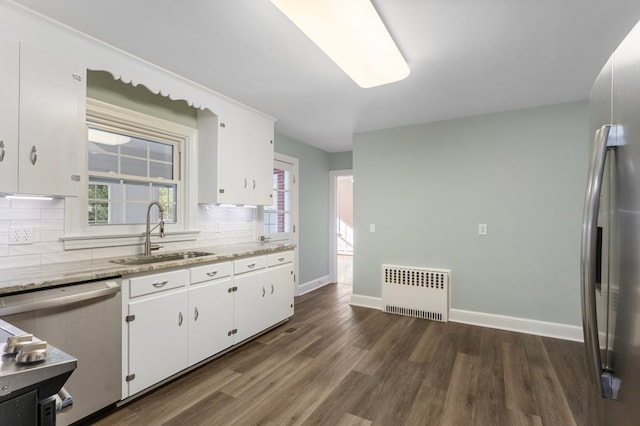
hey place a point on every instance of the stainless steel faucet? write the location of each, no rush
(147, 236)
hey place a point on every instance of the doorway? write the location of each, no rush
(342, 224)
(280, 220)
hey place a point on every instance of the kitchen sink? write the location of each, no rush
(165, 257)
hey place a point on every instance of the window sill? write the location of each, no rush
(79, 242)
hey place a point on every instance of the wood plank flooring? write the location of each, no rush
(334, 364)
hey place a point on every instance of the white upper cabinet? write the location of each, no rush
(43, 121)
(9, 90)
(235, 151)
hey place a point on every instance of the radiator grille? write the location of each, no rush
(415, 291)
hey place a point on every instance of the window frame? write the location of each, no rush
(177, 144)
(79, 233)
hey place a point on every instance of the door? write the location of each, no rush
(624, 307)
(9, 85)
(52, 112)
(344, 223)
(158, 338)
(210, 319)
(341, 210)
(610, 304)
(280, 217)
(250, 314)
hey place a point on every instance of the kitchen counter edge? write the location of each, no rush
(17, 280)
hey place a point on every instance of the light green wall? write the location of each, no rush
(313, 189)
(427, 187)
(341, 160)
(102, 86)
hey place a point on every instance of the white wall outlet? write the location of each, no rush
(372, 227)
(482, 229)
(22, 235)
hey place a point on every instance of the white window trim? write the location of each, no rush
(80, 235)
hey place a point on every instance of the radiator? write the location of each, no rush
(416, 292)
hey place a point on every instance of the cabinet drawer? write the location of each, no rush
(158, 282)
(210, 272)
(249, 264)
(280, 258)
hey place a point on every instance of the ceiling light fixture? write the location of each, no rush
(352, 34)
(107, 138)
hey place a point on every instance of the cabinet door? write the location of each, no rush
(281, 291)
(250, 308)
(158, 338)
(210, 318)
(260, 161)
(52, 89)
(245, 158)
(9, 81)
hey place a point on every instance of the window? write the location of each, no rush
(132, 159)
(277, 217)
(126, 172)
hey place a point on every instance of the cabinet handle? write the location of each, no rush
(254, 184)
(34, 155)
(2, 150)
(212, 273)
(180, 319)
(272, 288)
(196, 314)
(281, 259)
(263, 291)
(245, 183)
(251, 265)
(160, 284)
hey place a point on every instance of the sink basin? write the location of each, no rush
(165, 257)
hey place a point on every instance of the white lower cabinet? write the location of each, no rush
(156, 324)
(281, 288)
(250, 310)
(210, 318)
(175, 319)
(158, 339)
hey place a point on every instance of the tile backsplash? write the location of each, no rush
(217, 225)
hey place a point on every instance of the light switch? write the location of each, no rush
(482, 229)
(372, 227)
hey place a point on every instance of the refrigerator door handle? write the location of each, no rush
(606, 384)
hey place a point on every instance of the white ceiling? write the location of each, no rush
(467, 57)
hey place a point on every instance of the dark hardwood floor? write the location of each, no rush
(334, 364)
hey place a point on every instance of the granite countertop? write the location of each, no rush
(40, 277)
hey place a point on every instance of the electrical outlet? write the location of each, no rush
(21, 235)
(482, 229)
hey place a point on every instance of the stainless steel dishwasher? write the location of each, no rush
(83, 320)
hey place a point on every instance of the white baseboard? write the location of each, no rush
(366, 301)
(502, 322)
(313, 284)
(521, 325)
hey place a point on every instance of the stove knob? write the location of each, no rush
(15, 343)
(32, 352)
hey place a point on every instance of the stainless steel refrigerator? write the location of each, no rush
(611, 242)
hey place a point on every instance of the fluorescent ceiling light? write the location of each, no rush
(352, 34)
(107, 138)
